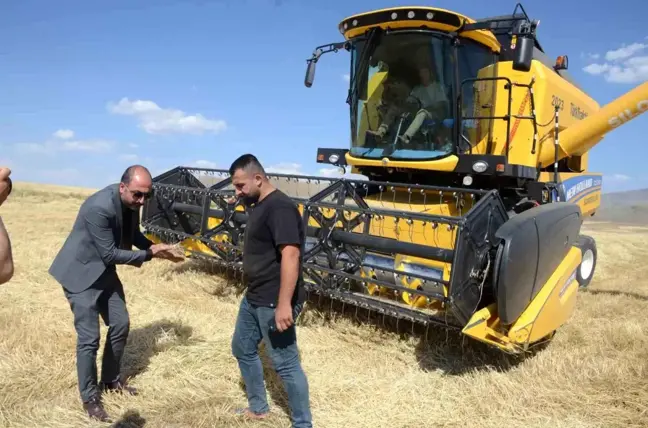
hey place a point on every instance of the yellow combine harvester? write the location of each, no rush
(476, 149)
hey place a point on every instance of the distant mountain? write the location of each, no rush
(629, 207)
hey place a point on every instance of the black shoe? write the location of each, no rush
(95, 410)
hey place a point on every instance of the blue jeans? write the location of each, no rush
(252, 325)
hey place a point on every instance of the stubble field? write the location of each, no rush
(594, 373)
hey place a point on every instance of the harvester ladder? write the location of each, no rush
(507, 117)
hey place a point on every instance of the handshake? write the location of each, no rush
(172, 253)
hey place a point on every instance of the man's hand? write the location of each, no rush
(172, 256)
(158, 249)
(167, 252)
(5, 184)
(283, 317)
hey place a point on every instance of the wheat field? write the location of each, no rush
(594, 373)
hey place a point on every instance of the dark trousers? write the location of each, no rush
(104, 298)
(252, 327)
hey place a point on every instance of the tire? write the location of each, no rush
(586, 269)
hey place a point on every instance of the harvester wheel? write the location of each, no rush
(585, 272)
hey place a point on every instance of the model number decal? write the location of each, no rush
(556, 101)
(576, 112)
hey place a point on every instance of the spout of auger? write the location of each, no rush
(583, 136)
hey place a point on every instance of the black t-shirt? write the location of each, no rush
(273, 222)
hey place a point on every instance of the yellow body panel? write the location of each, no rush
(581, 137)
(548, 90)
(551, 308)
(446, 164)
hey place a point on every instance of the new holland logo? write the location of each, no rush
(582, 186)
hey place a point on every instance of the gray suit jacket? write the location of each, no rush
(100, 239)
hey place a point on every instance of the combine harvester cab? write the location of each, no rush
(472, 223)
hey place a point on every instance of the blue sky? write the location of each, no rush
(87, 88)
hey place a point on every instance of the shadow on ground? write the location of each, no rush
(147, 341)
(618, 293)
(437, 348)
(130, 419)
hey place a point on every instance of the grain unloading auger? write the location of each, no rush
(477, 189)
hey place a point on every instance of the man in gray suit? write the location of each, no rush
(106, 228)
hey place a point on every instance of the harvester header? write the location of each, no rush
(475, 145)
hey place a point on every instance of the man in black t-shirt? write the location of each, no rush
(274, 237)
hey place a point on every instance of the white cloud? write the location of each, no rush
(346, 77)
(590, 55)
(337, 172)
(621, 65)
(596, 68)
(133, 145)
(97, 146)
(51, 147)
(63, 141)
(64, 134)
(154, 119)
(129, 157)
(63, 175)
(34, 148)
(205, 164)
(624, 52)
(285, 168)
(620, 177)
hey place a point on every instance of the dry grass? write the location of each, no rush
(594, 374)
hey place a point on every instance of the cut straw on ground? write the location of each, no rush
(594, 373)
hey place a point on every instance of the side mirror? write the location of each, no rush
(310, 69)
(310, 73)
(523, 54)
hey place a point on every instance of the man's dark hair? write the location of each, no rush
(247, 162)
(127, 176)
